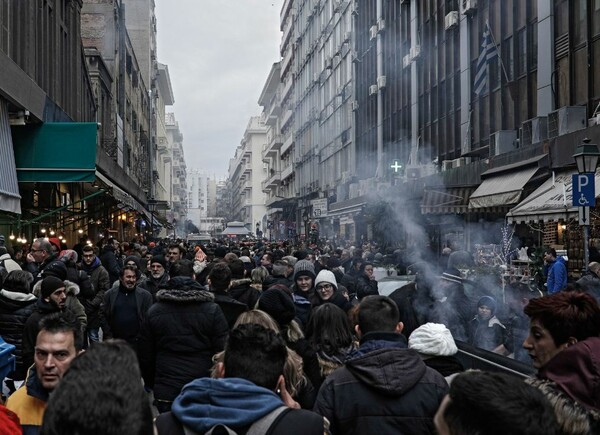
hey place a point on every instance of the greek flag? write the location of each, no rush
(487, 53)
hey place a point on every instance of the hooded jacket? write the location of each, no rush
(243, 292)
(181, 333)
(15, 309)
(383, 388)
(72, 303)
(101, 283)
(236, 403)
(557, 275)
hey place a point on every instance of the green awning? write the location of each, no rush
(60, 152)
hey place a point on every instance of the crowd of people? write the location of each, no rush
(272, 338)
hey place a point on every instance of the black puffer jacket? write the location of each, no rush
(181, 333)
(384, 388)
(241, 291)
(15, 309)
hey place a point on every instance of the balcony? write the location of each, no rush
(287, 144)
(247, 168)
(288, 115)
(285, 10)
(287, 88)
(286, 62)
(289, 170)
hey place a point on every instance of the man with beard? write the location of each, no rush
(157, 275)
(180, 334)
(53, 299)
(125, 307)
(101, 283)
(57, 344)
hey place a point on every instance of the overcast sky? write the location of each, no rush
(219, 54)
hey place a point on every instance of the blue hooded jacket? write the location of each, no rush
(234, 402)
(557, 275)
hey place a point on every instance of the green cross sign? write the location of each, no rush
(396, 166)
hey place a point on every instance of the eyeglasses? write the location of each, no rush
(324, 287)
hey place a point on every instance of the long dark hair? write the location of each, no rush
(329, 329)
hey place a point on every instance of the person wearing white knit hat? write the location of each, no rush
(325, 284)
(436, 346)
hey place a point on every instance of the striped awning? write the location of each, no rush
(10, 199)
(452, 200)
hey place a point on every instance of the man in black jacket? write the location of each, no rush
(383, 387)
(248, 396)
(110, 260)
(219, 280)
(181, 333)
(157, 275)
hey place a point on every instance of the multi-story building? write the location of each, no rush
(246, 175)
(164, 149)
(178, 207)
(197, 196)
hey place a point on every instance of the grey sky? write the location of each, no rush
(219, 54)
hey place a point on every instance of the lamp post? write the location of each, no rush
(584, 195)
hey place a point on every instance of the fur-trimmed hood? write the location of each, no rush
(184, 296)
(572, 417)
(70, 288)
(239, 282)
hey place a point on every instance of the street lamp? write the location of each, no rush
(586, 157)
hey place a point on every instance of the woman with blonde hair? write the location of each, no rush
(258, 276)
(297, 384)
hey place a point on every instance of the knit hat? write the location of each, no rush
(333, 262)
(50, 284)
(453, 275)
(55, 241)
(326, 276)
(489, 302)
(432, 339)
(304, 268)
(160, 260)
(278, 304)
(56, 269)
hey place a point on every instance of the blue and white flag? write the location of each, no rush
(487, 53)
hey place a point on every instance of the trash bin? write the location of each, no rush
(7, 359)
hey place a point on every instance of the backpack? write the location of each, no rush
(259, 427)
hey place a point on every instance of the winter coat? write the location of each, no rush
(181, 333)
(365, 286)
(101, 283)
(448, 366)
(15, 309)
(383, 388)
(557, 275)
(143, 299)
(337, 299)
(108, 258)
(230, 307)
(236, 403)
(72, 303)
(29, 403)
(303, 305)
(243, 292)
(486, 334)
(154, 285)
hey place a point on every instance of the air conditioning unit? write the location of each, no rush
(347, 36)
(372, 89)
(406, 61)
(447, 164)
(373, 32)
(461, 161)
(381, 80)
(451, 20)
(468, 7)
(381, 24)
(415, 52)
(502, 141)
(537, 130)
(354, 105)
(566, 120)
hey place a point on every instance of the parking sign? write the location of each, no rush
(584, 190)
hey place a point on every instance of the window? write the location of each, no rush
(4, 25)
(521, 52)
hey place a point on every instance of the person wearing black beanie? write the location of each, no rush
(304, 289)
(278, 304)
